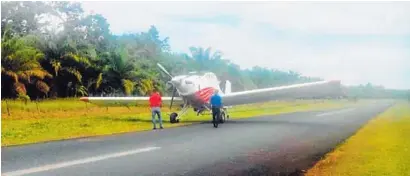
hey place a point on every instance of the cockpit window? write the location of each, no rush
(209, 75)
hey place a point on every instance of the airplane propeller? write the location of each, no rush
(164, 70)
(174, 88)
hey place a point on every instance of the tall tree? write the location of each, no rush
(120, 72)
(23, 17)
(20, 67)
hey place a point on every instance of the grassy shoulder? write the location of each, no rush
(68, 118)
(382, 147)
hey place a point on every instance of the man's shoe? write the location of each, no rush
(154, 128)
(162, 127)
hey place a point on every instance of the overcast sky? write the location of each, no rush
(354, 42)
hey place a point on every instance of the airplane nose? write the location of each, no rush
(176, 82)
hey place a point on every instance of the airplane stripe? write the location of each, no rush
(207, 96)
(206, 92)
(203, 98)
(202, 93)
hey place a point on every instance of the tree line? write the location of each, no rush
(373, 91)
(53, 49)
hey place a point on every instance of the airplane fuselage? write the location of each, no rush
(196, 90)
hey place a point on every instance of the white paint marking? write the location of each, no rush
(335, 112)
(80, 161)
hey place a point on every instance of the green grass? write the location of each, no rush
(382, 147)
(69, 118)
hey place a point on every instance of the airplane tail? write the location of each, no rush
(228, 90)
(227, 87)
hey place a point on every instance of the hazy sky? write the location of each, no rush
(354, 42)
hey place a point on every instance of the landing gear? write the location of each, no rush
(224, 115)
(222, 118)
(173, 118)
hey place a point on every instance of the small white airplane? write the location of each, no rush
(195, 91)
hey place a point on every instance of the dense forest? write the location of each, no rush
(53, 49)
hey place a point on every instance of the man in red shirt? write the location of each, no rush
(155, 103)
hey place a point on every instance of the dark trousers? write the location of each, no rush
(215, 112)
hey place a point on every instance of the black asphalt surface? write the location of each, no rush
(270, 145)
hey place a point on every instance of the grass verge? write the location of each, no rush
(382, 147)
(68, 118)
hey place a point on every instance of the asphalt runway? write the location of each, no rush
(283, 144)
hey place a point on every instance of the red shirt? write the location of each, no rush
(155, 100)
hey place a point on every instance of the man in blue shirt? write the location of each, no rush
(216, 104)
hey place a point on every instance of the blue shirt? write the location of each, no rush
(216, 100)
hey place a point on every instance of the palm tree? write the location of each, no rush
(20, 66)
(203, 57)
(73, 64)
(120, 71)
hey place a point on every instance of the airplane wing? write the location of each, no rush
(127, 101)
(320, 89)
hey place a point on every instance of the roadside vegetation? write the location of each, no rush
(382, 147)
(33, 122)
